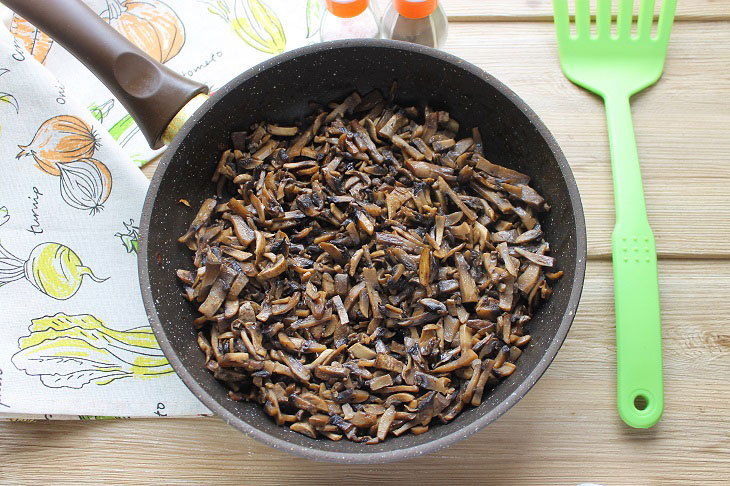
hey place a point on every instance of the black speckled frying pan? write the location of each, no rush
(278, 90)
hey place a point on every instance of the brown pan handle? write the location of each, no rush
(152, 93)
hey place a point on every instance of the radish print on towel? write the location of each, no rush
(64, 147)
(53, 268)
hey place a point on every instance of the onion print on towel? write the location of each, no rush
(253, 22)
(151, 25)
(35, 42)
(71, 351)
(64, 146)
(53, 268)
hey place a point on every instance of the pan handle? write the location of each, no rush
(152, 93)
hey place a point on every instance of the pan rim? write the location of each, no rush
(411, 451)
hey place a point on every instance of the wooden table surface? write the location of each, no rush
(566, 430)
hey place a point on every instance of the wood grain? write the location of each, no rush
(565, 431)
(681, 129)
(542, 10)
(680, 126)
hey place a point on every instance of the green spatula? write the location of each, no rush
(616, 66)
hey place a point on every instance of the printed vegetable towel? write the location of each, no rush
(210, 41)
(75, 338)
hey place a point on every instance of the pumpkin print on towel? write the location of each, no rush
(53, 268)
(35, 42)
(63, 146)
(151, 25)
(70, 351)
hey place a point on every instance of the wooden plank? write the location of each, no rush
(542, 10)
(681, 126)
(565, 431)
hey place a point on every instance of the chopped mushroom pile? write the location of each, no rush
(372, 274)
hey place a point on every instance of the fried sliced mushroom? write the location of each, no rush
(537, 259)
(368, 272)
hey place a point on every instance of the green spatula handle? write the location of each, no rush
(640, 391)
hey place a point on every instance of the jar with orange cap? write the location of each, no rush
(418, 21)
(349, 19)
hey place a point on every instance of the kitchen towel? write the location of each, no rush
(210, 41)
(76, 342)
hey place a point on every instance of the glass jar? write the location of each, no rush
(419, 21)
(349, 19)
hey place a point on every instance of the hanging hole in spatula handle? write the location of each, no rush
(152, 93)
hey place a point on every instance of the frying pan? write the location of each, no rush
(171, 109)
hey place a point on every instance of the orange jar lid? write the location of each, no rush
(415, 9)
(347, 8)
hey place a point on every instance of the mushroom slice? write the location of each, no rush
(284, 307)
(282, 131)
(537, 259)
(304, 429)
(389, 363)
(201, 219)
(345, 107)
(274, 269)
(296, 367)
(530, 235)
(509, 264)
(471, 215)
(525, 194)
(426, 170)
(466, 357)
(498, 171)
(466, 281)
(218, 291)
(386, 422)
(506, 296)
(371, 284)
(529, 278)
